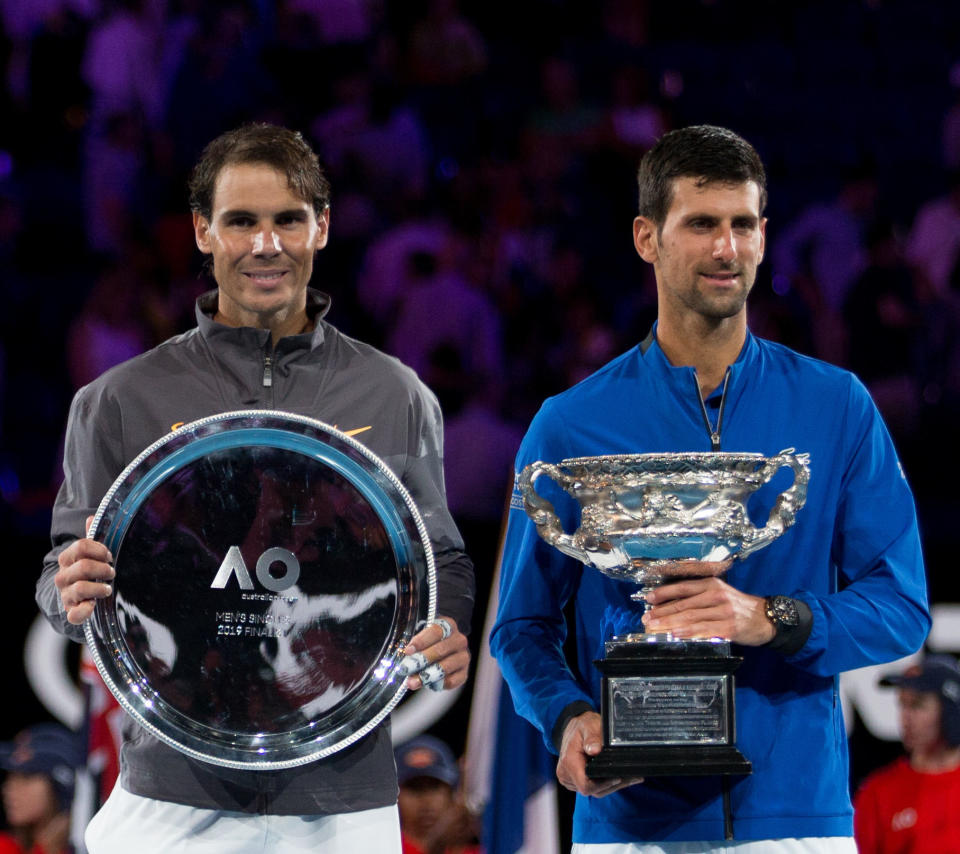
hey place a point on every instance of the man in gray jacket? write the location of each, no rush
(261, 212)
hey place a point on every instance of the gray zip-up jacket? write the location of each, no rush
(215, 368)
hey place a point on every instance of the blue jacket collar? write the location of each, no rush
(681, 381)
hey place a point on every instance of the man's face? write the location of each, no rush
(262, 238)
(422, 802)
(920, 719)
(706, 255)
(28, 799)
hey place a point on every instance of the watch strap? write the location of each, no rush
(790, 639)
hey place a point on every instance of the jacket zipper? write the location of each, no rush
(267, 370)
(714, 434)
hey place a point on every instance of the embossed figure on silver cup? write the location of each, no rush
(645, 517)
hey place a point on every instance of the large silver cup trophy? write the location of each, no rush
(667, 703)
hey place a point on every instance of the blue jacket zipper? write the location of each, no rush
(714, 434)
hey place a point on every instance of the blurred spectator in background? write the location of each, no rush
(573, 309)
(559, 132)
(626, 23)
(479, 443)
(41, 764)
(180, 26)
(446, 57)
(220, 81)
(439, 307)
(388, 265)
(446, 49)
(381, 137)
(822, 252)
(913, 805)
(26, 25)
(636, 121)
(433, 817)
(337, 21)
(48, 39)
(113, 182)
(122, 63)
(934, 243)
(110, 328)
(885, 322)
(564, 117)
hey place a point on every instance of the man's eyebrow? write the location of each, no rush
(709, 217)
(237, 212)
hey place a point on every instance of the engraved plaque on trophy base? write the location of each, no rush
(667, 708)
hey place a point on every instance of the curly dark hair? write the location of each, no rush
(283, 149)
(704, 152)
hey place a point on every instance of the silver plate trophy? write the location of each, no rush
(269, 572)
(667, 703)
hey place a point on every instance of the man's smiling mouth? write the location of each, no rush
(265, 276)
(721, 275)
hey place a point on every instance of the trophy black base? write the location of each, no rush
(667, 761)
(668, 709)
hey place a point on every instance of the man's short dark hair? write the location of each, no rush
(285, 150)
(707, 153)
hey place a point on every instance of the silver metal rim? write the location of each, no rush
(113, 675)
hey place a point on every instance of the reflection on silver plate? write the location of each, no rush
(270, 570)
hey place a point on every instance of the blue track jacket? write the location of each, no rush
(853, 556)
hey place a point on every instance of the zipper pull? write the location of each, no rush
(267, 371)
(715, 440)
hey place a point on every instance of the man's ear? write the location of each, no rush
(323, 229)
(201, 232)
(645, 239)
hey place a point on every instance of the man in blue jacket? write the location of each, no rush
(843, 588)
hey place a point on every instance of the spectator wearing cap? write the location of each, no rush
(41, 764)
(913, 804)
(433, 817)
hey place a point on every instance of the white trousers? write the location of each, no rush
(130, 824)
(810, 845)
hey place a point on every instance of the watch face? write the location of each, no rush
(782, 610)
(269, 572)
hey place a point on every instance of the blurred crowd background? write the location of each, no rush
(482, 157)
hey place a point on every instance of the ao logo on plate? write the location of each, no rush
(234, 565)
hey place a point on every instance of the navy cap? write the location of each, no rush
(49, 749)
(426, 756)
(940, 675)
(936, 674)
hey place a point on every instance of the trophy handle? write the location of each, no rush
(542, 513)
(784, 512)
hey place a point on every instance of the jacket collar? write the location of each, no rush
(318, 304)
(654, 356)
(681, 381)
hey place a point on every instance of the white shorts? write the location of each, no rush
(129, 823)
(809, 845)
